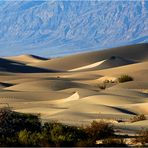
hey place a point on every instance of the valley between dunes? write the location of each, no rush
(68, 89)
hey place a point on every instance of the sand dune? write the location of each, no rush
(26, 59)
(113, 61)
(16, 67)
(133, 85)
(128, 69)
(71, 92)
(88, 66)
(133, 52)
(45, 85)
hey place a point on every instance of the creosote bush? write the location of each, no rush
(125, 78)
(99, 130)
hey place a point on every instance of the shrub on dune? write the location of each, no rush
(125, 78)
(138, 118)
(99, 130)
(102, 86)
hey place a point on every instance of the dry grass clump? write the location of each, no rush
(138, 118)
(113, 142)
(102, 86)
(125, 78)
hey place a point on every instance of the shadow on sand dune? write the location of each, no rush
(16, 67)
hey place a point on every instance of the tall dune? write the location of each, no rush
(137, 52)
(26, 58)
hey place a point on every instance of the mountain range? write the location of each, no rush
(56, 28)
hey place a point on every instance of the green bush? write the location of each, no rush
(27, 138)
(64, 135)
(17, 129)
(11, 122)
(125, 78)
(99, 130)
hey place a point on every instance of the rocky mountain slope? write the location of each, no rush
(55, 28)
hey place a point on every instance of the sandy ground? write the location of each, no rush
(68, 89)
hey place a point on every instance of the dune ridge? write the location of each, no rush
(26, 59)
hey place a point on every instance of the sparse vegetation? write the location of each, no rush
(102, 86)
(19, 129)
(138, 118)
(125, 78)
(142, 137)
(99, 130)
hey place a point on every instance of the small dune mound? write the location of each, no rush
(73, 97)
(27, 58)
(111, 100)
(133, 85)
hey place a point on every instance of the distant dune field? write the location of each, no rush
(79, 88)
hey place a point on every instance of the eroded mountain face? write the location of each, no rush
(54, 28)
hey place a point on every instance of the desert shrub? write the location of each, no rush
(138, 118)
(28, 138)
(24, 137)
(142, 137)
(11, 122)
(102, 86)
(64, 135)
(112, 142)
(99, 130)
(125, 78)
(17, 129)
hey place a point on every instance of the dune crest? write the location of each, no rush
(26, 59)
(88, 66)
